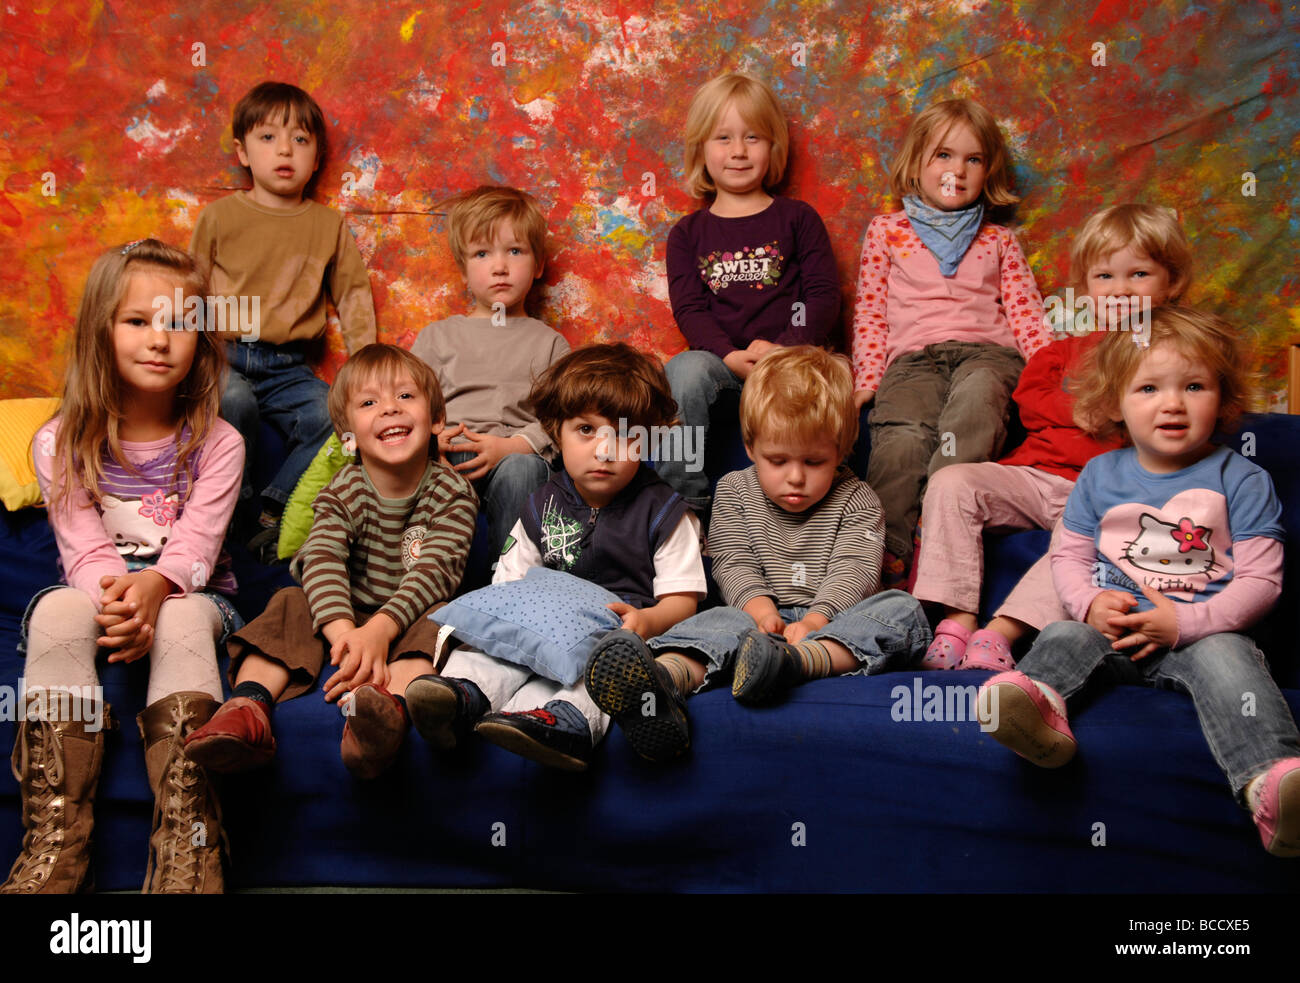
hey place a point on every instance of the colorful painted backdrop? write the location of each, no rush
(116, 125)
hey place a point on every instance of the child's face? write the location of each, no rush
(391, 422)
(735, 156)
(282, 157)
(598, 462)
(1127, 272)
(501, 271)
(794, 475)
(954, 168)
(150, 361)
(1170, 408)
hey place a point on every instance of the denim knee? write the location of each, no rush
(239, 405)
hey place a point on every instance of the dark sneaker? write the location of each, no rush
(555, 735)
(766, 666)
(237, 738)
(624, 680)
(444, 709)
(374, 732)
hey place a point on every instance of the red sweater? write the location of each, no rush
(1054, 444)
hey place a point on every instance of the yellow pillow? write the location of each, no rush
(19, 421)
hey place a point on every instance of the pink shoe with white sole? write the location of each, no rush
(1016, 713)
(1277, 812)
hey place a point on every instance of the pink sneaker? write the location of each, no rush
(987, 650)
(948, 647)
(1016, 713)
(1277, 813)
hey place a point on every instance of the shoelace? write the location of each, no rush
(176, 814)
(45, 836)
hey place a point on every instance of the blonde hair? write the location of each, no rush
(1109, 366)
(614, 380)
(92, 407)
(802, 394)
(756, 103)
(478, 214)
(380, 361)
(934, 123)
(1152, 229)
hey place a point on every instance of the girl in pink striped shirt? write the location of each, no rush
(947, 312)
(141, 477)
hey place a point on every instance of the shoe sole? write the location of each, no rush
(1286, 837)
(513, 739)
(370, 708)
(755, 680)
(619, 676)
(227, 755)
(1021, 727)
(433, 711)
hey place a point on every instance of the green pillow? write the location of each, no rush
(296, 521)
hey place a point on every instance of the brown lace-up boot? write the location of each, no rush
(185, 848)
(56, 762)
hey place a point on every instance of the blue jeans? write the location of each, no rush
(275, 382)
(697, 379)
(886, 631)
(503, 491)
(1225, 675)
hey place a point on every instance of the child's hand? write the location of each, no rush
(445, 446)
(758, 347)
(741, 362)
(796, 631)
(861, 397)
(361, 655)
(1154, 630)
(1105, 607)
(130, 606)
(633, 618)
(488, 450)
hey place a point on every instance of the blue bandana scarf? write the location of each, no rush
(946, 234)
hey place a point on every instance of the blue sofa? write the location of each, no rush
(829, 791)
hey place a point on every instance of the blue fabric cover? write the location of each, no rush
(879, 803)
(549, 621)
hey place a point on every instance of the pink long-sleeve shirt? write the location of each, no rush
(181, 543)
(904, 303)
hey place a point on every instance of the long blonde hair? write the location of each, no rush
(905, 171)
(91, 411)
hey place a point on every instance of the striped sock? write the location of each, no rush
(679, 668)
(815, 659)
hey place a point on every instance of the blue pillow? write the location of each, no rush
(549, 621)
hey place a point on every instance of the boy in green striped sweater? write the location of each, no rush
(387, 547)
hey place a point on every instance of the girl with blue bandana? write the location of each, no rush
(947, 312)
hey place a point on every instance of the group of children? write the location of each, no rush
(1165, 547)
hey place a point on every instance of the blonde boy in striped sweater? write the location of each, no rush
(796, 541)
(387, 547)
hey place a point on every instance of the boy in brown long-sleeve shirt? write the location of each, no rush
(273, 256)
(388, 546)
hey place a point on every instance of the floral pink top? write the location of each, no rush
(904, 303)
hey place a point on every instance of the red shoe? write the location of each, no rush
(237, 738)
(1016, 713)
(1277, 813)
(374, 733)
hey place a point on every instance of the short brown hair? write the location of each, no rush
(477, 215)
(614, 380)
(905, 171)
(1199, 336)
(1150, 228)
(267, 99)
(384, 361)
(756, 103)
(802, 394)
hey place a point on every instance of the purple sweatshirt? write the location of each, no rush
(735, 280)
